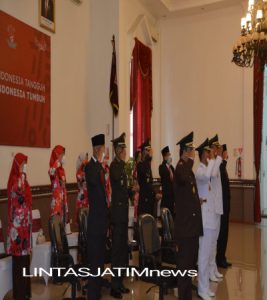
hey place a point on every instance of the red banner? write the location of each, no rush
(24, 84)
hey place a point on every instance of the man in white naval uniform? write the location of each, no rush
(203, 177)
(216, 190)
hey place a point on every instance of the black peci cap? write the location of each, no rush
(98, 140)
(165, 150)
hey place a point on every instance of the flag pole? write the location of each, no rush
(113, 114)
(113, 124)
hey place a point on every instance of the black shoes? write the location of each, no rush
(105, 283)
(229, 264)
(124, 290)
(115, 294)
(224, 264)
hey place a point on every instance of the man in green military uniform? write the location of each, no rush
(188, 220)
(119, 215)
(145, 180)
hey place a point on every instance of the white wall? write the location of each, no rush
(104, 22)
(201, 90)
(69, 88)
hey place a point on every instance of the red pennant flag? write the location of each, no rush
(113, 90)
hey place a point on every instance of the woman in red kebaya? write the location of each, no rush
(56, 172)
(19, 226)
(82, 198)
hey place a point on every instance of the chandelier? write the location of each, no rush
(253, 40)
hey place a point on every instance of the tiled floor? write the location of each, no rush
(246, 280)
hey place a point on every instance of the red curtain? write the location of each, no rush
(258, 114)
(141, 92)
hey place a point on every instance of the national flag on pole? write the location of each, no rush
(113, 90)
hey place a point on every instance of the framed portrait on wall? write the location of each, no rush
(47, 14)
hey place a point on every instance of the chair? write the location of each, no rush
(150, 255)
(2, 247)
(132, 242)
(83, 215)
(167, 243)
(82, 239)
(5, 268)
(60, 256)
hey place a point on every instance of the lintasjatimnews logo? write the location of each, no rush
(128, 272)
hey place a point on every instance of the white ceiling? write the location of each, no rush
(170, 8)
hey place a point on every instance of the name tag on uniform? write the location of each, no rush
(194, 190)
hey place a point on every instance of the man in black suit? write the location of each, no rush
(188, 220)
(119, 215)
(224, 228)
(97, 217)
(145, 180)
(166, 172)
(47, 10)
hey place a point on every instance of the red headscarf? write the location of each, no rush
(56, 152)
(15, 172)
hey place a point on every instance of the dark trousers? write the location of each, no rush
(223, 239)
(119, 252)
(186, 260)
(168, 204)
(96, 260)
(146, 206)
(21, 284)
